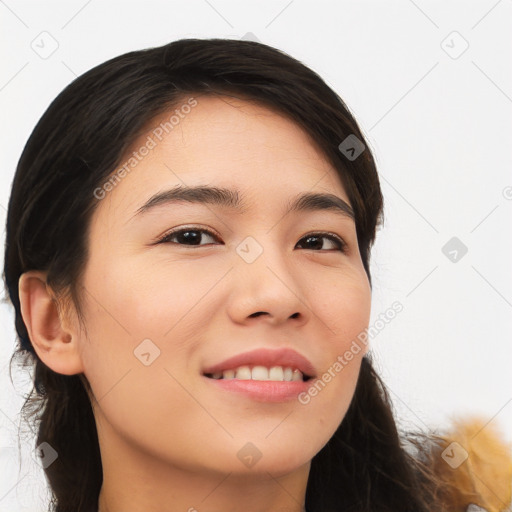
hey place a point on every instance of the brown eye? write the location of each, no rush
(187, 236)
(315, 241)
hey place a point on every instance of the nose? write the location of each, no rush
(267, 290)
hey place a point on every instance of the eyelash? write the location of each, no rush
(342, 246)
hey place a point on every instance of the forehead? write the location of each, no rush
(223, 141)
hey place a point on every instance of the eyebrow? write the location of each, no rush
(309, 201)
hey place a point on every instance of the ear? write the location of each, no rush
(55, 344)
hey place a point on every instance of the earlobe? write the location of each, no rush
(55, 345)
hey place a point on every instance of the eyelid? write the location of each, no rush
(192, 227)
(343, 246)
(329, 234)
(335, 235)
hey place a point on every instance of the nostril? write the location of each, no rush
(257, 314)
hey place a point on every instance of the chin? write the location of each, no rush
(270, 469)
(276, 460)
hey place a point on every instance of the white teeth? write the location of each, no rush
(260, 373)
(243, 373)
(275, 373)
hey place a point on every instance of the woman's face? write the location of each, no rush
(159, 314)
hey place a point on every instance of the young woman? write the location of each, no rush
(187, 253)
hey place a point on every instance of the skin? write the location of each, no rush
(168, 438)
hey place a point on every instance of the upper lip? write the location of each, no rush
(285, 357)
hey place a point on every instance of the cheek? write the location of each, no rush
(155, 301)
(138, 314)
(343, 304)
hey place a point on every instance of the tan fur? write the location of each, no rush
(485, 477)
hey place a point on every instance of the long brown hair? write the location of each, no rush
(78, 143)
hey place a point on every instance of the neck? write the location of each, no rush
(134, 480)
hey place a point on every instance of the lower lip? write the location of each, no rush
(264, 390)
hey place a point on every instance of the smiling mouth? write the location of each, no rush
(261, 373)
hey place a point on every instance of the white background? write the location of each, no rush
(438, 123)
